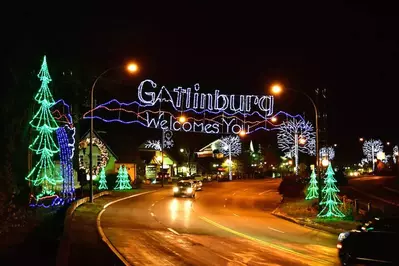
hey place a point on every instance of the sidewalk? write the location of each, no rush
(83, 245)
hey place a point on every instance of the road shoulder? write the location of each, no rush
(310, 220)
(84, 242)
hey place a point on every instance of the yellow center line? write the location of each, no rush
(307, 257)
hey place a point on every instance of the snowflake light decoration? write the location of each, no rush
(371, 148)
(167, 139)
(327, 152)
(296, 136)
(395, 153)
(153, 144)
(234, 143)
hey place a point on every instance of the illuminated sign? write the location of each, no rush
(190, 110)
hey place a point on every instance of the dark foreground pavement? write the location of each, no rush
(84, 246)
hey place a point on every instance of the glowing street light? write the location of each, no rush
(277, 89)
(361, 139)
(242, 133)
(274, 119)
(325, 162)
(132, 68)
(182, 119)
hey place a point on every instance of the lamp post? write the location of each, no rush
(230, 162)
(187, 153)
(131, 68)
(277, 89)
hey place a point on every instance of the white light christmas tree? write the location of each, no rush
(230, 146)
(330, 198)
(296, 136)
(122, 179)
(43, 123)
(395, 153)
(327, 153)
(102, 180)
(313, 190)
(371, 148)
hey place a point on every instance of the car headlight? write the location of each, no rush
(175, 189)
(342, 236)
(189, 190)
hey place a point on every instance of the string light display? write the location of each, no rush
(371, 148)
(122, 180)
(222, 123)
(294, 136)
(312, 191)
(43, 174)
(104, 156)
(66, 166)
(395, 153)
(103, 180)
(327, 153)
(153, 144)
(330, 198)
(230, 144)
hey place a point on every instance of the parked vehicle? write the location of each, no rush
(184, 188)
(166, 178)
(372, 243)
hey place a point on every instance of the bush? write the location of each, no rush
(292, 186)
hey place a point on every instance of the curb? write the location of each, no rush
(104, 238)
(64, 247)
(323, 229)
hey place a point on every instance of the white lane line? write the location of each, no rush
(235, 214)
(271, 228)
(264, 192)
(173, 231)
(152, 214)
(391, 189)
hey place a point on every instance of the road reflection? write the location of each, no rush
(180, 209)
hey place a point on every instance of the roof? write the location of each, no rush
(87, 135)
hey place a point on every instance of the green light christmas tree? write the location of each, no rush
(330, 199)
(122, 181)
(313, 189)
(103, 180)
(43, 174)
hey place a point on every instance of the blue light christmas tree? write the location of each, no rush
(43, 174)
(313, 190)
(122, 181)
(103, 180)
(330, 199)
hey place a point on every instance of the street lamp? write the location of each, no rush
(130, 68)
(278, 89)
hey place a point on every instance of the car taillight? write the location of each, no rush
(339, 246)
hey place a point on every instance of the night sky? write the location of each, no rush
(351, 50)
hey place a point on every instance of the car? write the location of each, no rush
(198, 184)
(184, 188)
(373, 243)
(165, 176)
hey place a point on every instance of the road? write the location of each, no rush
(381, 191)
(227, 224)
